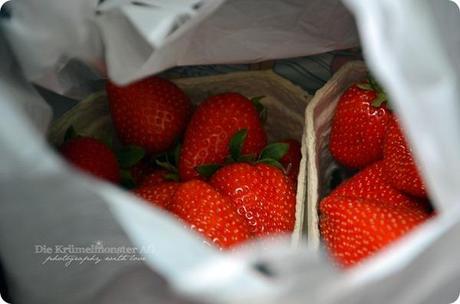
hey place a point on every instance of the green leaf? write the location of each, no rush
(379, 100)
(364, 86)
(236, 143)
(248, 158)
(127, 180)
(272, 162)
(274, 151)
(373, 85)
(256, 100)
(263, 115)
(208, 170)
(129, 156)
(70, 133)
(172, 177)
(166, 165)
(261, 109)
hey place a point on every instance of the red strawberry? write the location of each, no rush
(151, 113)
(161, 194)
(210, 213)
(212, 126)
(371, 184)
(399, 166)
(261, 193)
(291, 160)
(354, 228)
(92, 156)
(359, 126)
(156, 177)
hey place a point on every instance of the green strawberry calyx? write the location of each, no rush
(128, 157)
(208, 170)
(261, 109)
(126, 179)
(169, 161)
(372, 85)
(270, 155)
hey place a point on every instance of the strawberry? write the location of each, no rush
(261, 193)
(371, 183)
(93, 156)
(354, 229)
(399, 166)
(291, 160)
(359, 126)
(212, 126)
(210, 213)
(158, 176)
(151, 113)
(160, 194)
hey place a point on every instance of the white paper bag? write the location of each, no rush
(411, 48)
(131, 39)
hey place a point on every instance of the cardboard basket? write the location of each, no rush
(285, 103)
(318, 118)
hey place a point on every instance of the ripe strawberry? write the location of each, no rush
(354, 228)
(210, 213)
(359, 126)
(160, 194)
(291, 160)
(158, 176)
(92, 156)
(261, 193)
(399, 166)
(150, 113)
(212, 126)
(370, 183)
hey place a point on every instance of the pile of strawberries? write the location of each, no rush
(210, 166)
(387, 197)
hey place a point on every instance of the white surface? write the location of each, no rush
(410, 46)
(458, 300)
(163, 34)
